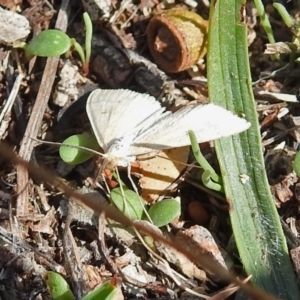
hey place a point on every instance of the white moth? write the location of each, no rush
(127, 124)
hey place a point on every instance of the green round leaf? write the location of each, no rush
(49, 43)
(73, 155)
(58, 287)
(129, 203)
(297, 164)
(164, 212)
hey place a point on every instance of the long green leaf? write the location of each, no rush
(256, 225)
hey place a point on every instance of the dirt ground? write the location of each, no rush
(41, 229)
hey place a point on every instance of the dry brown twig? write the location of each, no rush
(36, 117)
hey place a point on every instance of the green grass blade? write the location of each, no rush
(256, 225)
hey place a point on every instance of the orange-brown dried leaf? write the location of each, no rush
(161, 171)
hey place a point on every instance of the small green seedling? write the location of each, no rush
(48, 43)
(209, 177)
(294, 27)
(60, 290)
(53, 42)
(105, 291)
(288, 20)
(264, 20)
(160, 213)
(85, 58)
(58, 287)
(293, 47)
(128, 202)
(164, 212)
(72, 149)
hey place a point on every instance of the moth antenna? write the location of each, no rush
(68, 145)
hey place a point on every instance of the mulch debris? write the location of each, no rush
(41, 229)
